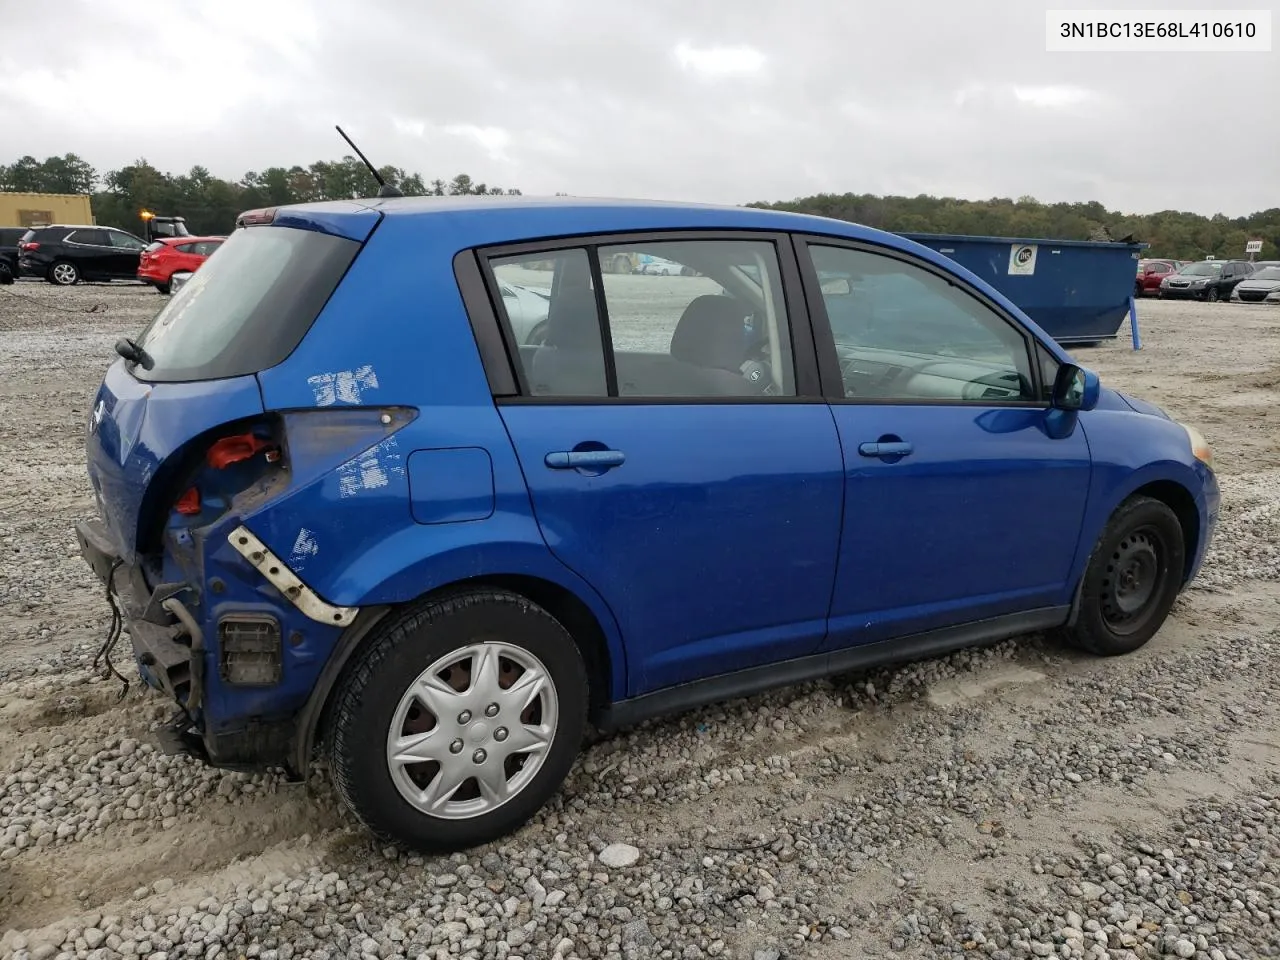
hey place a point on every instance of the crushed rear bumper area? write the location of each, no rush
(161, 629)
(170, 650)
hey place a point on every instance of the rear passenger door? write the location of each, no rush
(678, 454)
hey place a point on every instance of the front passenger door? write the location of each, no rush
(959, 504)
(125, 251)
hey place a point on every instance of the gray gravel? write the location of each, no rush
(1017, 801)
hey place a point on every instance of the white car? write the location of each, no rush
(656, 266)
(1262, 287)
(527, 309)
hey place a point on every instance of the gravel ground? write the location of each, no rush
(1019, 801)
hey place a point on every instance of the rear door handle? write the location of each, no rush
(589, 459)
(885, 449)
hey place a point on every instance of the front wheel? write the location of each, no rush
(162, 289)
(1132, 579)
(1212, 295)
(457, 722)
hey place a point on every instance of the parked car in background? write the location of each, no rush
(64, 254)
(527, 307)
(161, 259)
(1150, 273)
(1262, 287)
(1205, 280)
(179, 279)
(9, 237)
(350, 513)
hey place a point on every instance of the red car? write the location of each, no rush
(1150, 273)
(162, 259)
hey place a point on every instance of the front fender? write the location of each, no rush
(1134, 450)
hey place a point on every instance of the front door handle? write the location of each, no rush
(884, 448)
(585, 459)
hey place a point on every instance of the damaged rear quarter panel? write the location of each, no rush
(137, 433)
(396, 334)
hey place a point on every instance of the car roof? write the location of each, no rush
(483, 220)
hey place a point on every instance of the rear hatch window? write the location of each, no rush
(247, 306)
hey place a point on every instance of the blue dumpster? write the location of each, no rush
(1076, 290)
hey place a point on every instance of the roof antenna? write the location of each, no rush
(384, 189)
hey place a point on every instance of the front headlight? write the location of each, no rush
(1199, 446)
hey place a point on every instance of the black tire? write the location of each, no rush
(538, 335)
(63, 273)
(162, 289)
(1132, 579)
(1212, 295)
(1137, 291)
(394, 656)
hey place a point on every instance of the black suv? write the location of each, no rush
(1206, 279)
(9, 237)
(68, 254)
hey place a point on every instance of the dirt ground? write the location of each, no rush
(951, 790)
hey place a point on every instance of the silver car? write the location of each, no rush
(1262, 287)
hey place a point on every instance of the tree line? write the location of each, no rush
(210, 205)
(1175, 234)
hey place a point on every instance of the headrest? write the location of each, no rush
(711, 333)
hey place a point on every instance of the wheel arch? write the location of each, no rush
(1182, 502)
(1173, 494)
(603, 663)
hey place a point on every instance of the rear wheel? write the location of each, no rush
(64, 273)
(1132, 579)
(458, 722)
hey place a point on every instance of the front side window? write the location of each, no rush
(903, 333)
(696, 319)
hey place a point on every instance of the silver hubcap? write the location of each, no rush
(472, 730)
(64, 273)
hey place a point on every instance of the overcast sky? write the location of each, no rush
(712, 100)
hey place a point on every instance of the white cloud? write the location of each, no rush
(1053, 96)
(720, 61)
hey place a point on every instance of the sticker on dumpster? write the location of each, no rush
(1022, 259)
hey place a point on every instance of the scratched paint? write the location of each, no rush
(304, 547)
(371, 470)
(345, 386)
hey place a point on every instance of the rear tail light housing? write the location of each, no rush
(28, 246)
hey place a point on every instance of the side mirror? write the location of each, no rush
(1075, 388)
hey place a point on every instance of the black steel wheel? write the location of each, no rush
(1132, 579)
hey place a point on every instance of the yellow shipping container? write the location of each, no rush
(42, 209)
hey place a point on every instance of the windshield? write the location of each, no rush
(247, 306)
(1267, 273)
(1206, 269)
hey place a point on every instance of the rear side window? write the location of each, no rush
(246, 310)
(93, 238)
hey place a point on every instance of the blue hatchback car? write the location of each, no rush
(428, 485)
